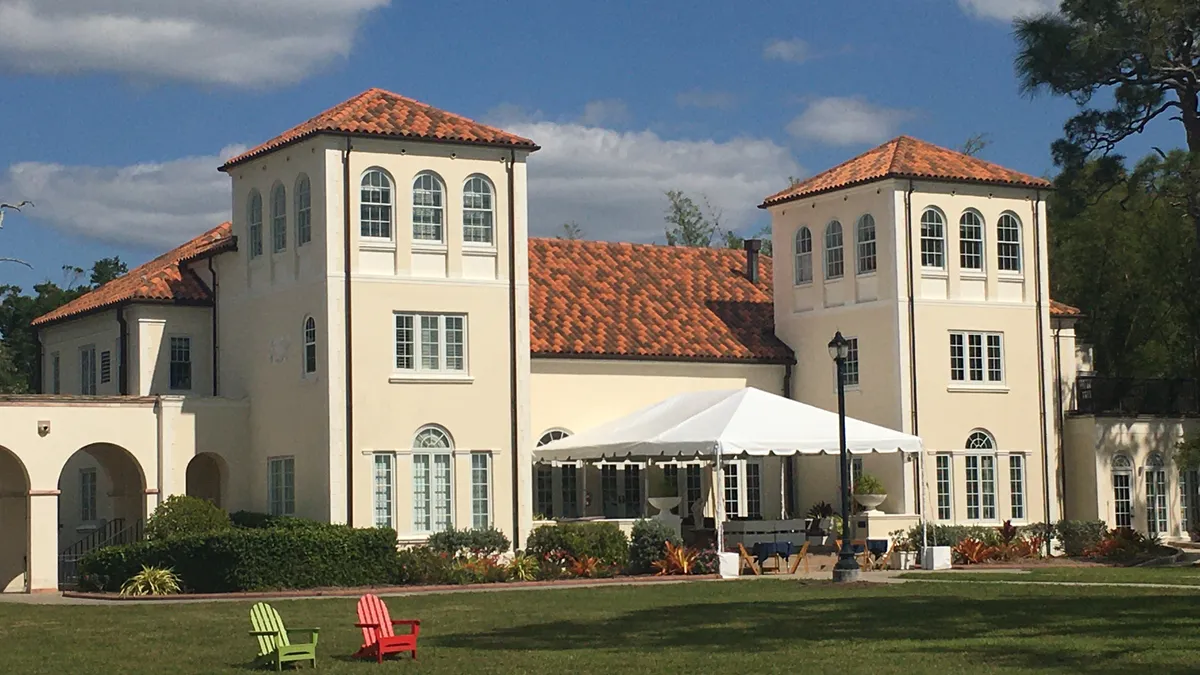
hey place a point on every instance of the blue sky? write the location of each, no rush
(118, 112)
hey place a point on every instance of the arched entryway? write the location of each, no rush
(102, 501)
(14, 523)
(206, 476)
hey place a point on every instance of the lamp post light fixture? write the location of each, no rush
(846, 568)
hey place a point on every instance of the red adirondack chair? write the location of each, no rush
(379, 637)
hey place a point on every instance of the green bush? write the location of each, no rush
(869, 485)
(253, 559)
(1077, 536)
(648, 542)
(182, 516)
(951, 535)
(420, 566)
(478, 542)
(603, 541)
(254, 520)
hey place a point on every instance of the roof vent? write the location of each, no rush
(752, 247)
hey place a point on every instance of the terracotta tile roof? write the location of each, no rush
(905, 157)
(590, 298)
(1062, 309)
(160, 280)
(376, 112)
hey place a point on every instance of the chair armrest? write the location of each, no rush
(366, 625)
(264, 632)
(410, 622)
(314, 631)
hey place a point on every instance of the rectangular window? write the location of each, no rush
(981, 487)
(384, 465)
(691, 477)
(105, 367)
(754, 489)
(431, 492)
(1156, 502)
(856, 470)
(281, 485)
(987, 470)
(1016, 479)
(543, 477)
(87, 370)
(943, 487)
(851, 365)
(1123, 499)
(481, 490)
(633, 491)
(610, 498)
(732, 497)
(569, 478)
(977, 357)
(671, 475)
(55, 374)
(87, 494)
(442, 347)
(181, 363)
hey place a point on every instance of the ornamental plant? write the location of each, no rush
(869, 485)
(152, 581)
(182, 516)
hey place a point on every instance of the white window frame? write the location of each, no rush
(981, 490)
(835, 252)
(1016, 485)
(308, 332)
(87, 370)
(417, 347)
(802, 250)
(481, 490)
(281, 485)
(191, 382)
(977, 353)
(933, 239)
(1008, 244)
(303, 210)
(971, 256)
(479, 202)
(944, 478)
(383, 475)
(432, 455)
(1158, 523)
(278, 218)
(87, 495)
(376, 206)
(852, 368)
(864, 237)
(254, 220)
(738, 491)
(1122, 469)
(428, 204)
(543, 489)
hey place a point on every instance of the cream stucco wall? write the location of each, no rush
(67, 339)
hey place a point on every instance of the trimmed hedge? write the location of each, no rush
(603, 541)
(252, 559)
(1078, 536)
(182, 516)
(257, 521)
(649, 543)
(476, 542)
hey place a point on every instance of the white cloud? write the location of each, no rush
(699, 98)
(791, 51)
(158, 205)
(1006, 10)
(227, 42)
(613, 182)
(605, 111)
(846, 121)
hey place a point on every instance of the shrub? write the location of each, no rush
(678, 560)
(420, 565)
(1121, 544)
(253, 559)
(254, 520)
(523, 567)
(707, 562)
(971, 551)
(648, 542)
(473, 543)
(477, 570)
(182, 516)
(152, 581)
(603, 541)
(869, 485)
(1078, 536)
(951, 535)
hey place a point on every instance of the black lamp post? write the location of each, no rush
(846, 568)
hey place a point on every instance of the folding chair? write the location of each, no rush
(801, 556)
(747, 559)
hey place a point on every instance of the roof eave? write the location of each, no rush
(596, 356)
(119, 303)
(904, 176)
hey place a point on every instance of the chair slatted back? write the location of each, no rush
(371, 610)
(263, 618)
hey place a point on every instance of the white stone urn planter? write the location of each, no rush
(869, 502)
(664, 504)
(664, 515)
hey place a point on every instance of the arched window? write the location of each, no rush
(428, 208)
(980, 440)
(834, 261)
(864, 235)
(552, 435)
(431, 458)
(1122, 482)
(933, 239)
(981, 476)
(278, 219)
(1008, 243)
(804, 267)
(310, 345)
(1156, 496)
(478, 215)
(303, 211)
(254, 216)
(970, 240)
(375, 205)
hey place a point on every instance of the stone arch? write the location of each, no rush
(101, 486)
(207, 477)
(14, 523)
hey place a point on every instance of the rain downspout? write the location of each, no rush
(122, 352)
(349, 336)
(216, 389)
(912, 356)
(1041, 359)
(1059, 414)
(514, 439)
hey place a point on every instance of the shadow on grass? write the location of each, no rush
(1062, 632)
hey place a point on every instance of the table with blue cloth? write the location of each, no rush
(764, 550)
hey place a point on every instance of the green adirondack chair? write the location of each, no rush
(274, 646)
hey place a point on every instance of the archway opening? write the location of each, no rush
(102, 502)
(206, 476)
(14, 523)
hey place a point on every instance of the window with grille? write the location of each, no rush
(1008, 243)
(87, 494)
(753, 489)
(732, 491)
(543, 475)
(1156, 497)
(834, 260)
(1122, 479)
(432, 488)
(804, 265)
(481, 490)
(375, 205)
(1016, 479)
(850, 366)
(281, 486)
(933, 239)
(440, 346)
(310, 345)
(944, 508)
(970, 241)
(181, 363)
(865, 239)
(87, 370)
(692, 484)
(981, 477)
(303, 211)
(255, 217)
(478, 215)
(384, 486)
(569, 478)
(278, 219)
(428, 208)
(977, 357)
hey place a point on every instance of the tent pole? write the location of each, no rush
(921, 496)
(783, 514)
(719, 492)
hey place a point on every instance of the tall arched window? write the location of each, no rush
(981, 476)
(864, 236)
(1122, 482)
(1008, 243)
(375, 205)
(310, 345)
(254, 215)
(432, 507)
(278, 219)
(933, 239)
(834, 260)
(970, 240)
(428, 199)
(1156, 496)
(303, 210)
(804, 267)
(478, 215)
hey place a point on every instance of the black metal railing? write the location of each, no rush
(114, 533)
(1133, 396)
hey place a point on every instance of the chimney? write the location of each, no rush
(752, 247)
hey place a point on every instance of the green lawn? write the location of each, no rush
(746, 627)
(1189, 576)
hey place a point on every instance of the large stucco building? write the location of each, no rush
(375, 339)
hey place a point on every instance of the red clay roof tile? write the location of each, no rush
(905, 157)
(160, 280)
(1062, 309)
(377, 112)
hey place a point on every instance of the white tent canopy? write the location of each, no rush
(724, 424)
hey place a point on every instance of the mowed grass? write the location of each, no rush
(753, 626)
(1187, 576)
